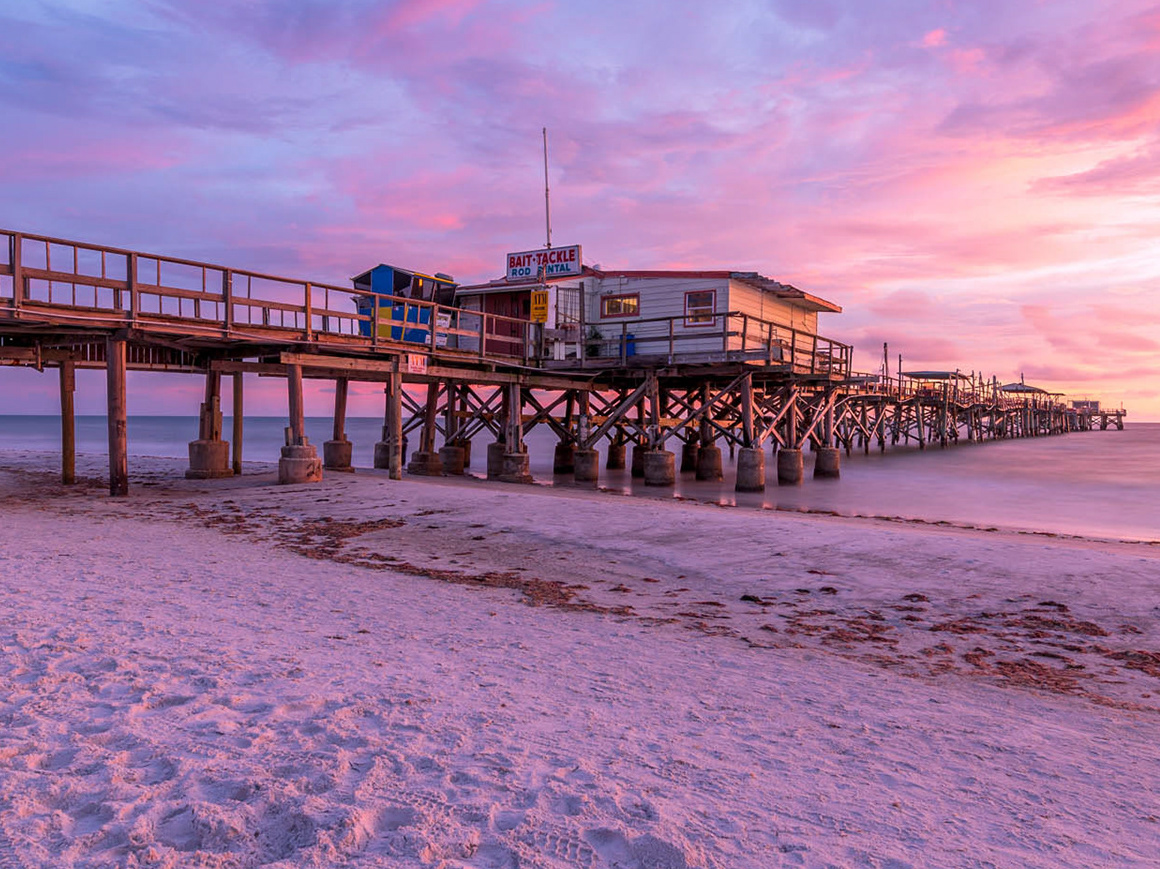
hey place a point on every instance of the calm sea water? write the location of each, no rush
(1099, 484)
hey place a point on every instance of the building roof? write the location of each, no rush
(1023, 387)
(753, 279)
(935, 375)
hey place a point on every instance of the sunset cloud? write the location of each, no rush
(963, 178)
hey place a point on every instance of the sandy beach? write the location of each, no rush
(451, 673)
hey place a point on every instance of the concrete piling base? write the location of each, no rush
(790, 469)
(563, 462)
(495, 453)
(336, 455)
(299, 464)
(709, 463)
(382, 455)
(750, 470)
(209, 460)
(615, 461)
(689, 453)
(637, 460)
(827, 463)
(586, 466)
(452, 458)
(516, 468)
(660, 468)
(425, 464)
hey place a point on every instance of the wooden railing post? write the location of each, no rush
(309, 303)
(227, 300)
(131, 279)
(17, 272)
(375, 314)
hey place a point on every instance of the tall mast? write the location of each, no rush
(547, 201)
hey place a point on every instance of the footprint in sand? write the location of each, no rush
(642, 852)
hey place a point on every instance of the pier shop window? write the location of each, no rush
(699, 307)
(623, 305)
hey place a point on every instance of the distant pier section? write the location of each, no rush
(661, 368)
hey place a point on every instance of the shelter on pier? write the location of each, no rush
(608, 318)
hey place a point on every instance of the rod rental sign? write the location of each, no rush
(554, 261)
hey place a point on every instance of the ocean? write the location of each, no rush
(1102, 484)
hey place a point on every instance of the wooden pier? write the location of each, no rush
(766, 388)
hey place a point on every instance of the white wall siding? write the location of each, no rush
(659, 297)
(665, 297)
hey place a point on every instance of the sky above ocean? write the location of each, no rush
(975, 183)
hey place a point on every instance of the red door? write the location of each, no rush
(506, 337)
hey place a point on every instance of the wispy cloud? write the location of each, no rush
(963, 178)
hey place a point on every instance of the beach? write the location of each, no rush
(454, 673)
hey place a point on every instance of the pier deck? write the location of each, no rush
(71, 305)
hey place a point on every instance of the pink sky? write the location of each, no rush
(977, 184)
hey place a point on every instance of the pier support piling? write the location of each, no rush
(614, 461)
(689, 452)
(452, 454)
(709, 464)
(115, 351)
(238, 417)
(516, 466)
(425, 461)
(790, 467)
(827, 463)
(68, 428)
(750, 470)
(452, 457)
(337, 452)
(637, 460)
(586, 466)
(389, 450)
(209, 455)
(660, 467)
(299, 462)
(495, 452)
(564, 459)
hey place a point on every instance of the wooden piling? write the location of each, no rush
(299, 462)
(395, 425)
(337, 452)
(341, 387)
(238, 400)
(297, 408)
(68, 430)
(118, 418)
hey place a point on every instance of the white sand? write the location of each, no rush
(236, 674)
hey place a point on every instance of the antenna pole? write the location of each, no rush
(547, 201)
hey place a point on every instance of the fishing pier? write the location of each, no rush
(728, 359)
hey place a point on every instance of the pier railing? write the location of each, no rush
(962, 391)
(730, 335)
(76, 284)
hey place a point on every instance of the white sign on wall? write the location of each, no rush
(555, 262)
